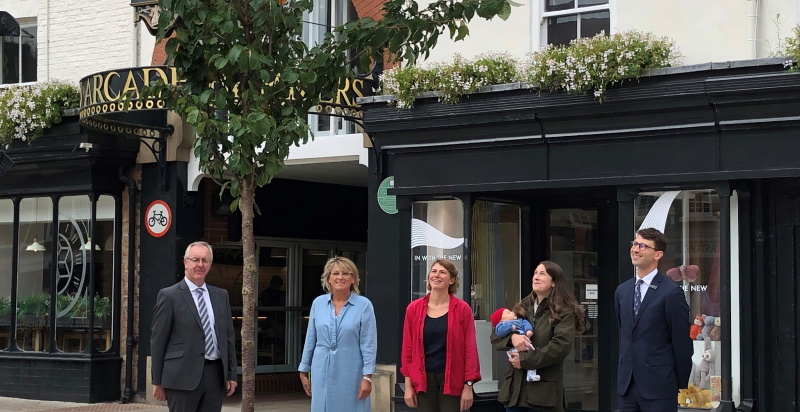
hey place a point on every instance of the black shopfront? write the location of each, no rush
(61, 211)
(511, 177)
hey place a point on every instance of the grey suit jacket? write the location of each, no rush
(177, 342)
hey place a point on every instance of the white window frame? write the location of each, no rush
(314, 32)
(540, 15)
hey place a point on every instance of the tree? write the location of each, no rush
(250, 80)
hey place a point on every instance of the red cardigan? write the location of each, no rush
(461, 364)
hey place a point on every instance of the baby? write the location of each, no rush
(505, 322)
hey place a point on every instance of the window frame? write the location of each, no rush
(334, 13)
(542, 15)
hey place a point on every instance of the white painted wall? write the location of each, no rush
(78, 38)
(707, 31)
(512, 35)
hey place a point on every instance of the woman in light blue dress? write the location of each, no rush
(341, 343)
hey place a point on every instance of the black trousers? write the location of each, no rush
(434, 399)
(206, 397)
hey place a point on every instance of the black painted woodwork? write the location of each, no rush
(731, 124)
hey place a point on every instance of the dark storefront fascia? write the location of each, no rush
(68, 162)
(730, 126)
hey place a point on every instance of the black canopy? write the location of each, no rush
(8, 25)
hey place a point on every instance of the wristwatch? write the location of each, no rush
(368, 379)
(469, 383)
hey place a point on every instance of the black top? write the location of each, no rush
(434, 340)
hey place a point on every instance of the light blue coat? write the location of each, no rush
(339, 351)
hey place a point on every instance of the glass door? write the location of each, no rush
(287, 282)
(572, 244)
(275, 321)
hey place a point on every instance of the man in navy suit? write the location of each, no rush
(655, 350)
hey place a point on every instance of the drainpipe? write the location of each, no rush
(753, 17)
(130, 341)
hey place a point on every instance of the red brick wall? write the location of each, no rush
(159, 54)
(369, 8)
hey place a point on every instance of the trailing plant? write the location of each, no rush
(26, 111)
(450, 80)
(593, 64)
(585, 65)
(792, 49)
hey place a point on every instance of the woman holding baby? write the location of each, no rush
(556, 316)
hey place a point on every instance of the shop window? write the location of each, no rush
(437, 231)
(566, 20)
(84, 287)
(19, 56)
(33, 274)
(690, 219)
(496, 272)
(69, 260)
(6, 239)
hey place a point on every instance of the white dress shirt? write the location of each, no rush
(210, 309)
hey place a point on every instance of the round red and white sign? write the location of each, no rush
(157, 218)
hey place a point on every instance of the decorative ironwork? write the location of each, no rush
(148, 11)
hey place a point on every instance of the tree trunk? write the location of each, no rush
(248, 297)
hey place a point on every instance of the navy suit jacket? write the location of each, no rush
(655, 349)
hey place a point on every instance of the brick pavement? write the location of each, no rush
(280, 402)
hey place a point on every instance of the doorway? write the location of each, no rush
(572, 243)
(288, 280)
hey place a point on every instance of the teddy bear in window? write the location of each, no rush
(709, 325)
(697, 326)
(704, 370)
(716, 331)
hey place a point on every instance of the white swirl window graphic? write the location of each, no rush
(423, 234)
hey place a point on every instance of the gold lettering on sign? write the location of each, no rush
(130, 85)
(97, 95)
(106, 83)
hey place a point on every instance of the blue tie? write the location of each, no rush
(201, 308)
(637, 297)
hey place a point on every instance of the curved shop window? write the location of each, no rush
(63, 272)
(691, 221)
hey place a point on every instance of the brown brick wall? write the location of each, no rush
(135, 174)
(216, 227)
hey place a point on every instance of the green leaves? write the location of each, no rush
(250, 79)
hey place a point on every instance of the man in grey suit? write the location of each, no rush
(655, 350)
(192, 341)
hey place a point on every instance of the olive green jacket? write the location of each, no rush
(552, 343)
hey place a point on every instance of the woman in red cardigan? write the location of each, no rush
(440, 354)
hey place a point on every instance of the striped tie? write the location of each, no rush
(201, 307)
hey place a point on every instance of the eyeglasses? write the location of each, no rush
(641, 246)
(198, 260)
